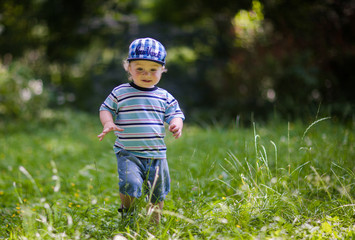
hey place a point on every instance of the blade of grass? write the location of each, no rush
(314, 123)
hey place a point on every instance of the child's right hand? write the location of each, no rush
(109, 127)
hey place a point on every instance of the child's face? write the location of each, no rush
(144, 73)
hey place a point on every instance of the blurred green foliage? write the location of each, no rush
(224, 60)
(21, 95)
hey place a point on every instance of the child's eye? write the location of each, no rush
(139, 69)
(153, 70)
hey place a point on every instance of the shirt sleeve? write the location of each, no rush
(173, 109)
(110, 104)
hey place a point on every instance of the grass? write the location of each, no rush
(274, 181)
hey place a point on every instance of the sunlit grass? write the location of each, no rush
(279, 180)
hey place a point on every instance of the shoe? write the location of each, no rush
(127, 214)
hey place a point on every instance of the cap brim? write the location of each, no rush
(146, 59)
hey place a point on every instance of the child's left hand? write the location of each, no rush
(176, 127)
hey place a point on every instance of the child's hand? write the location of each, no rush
(109, 127)
(176, 127)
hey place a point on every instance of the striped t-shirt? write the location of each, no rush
(141, 112)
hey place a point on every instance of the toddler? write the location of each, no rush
(136, 112)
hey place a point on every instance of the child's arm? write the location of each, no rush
(108, 124)
(176, 125)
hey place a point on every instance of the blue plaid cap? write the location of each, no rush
(147, 49)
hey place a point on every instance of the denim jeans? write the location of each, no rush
(138, 175)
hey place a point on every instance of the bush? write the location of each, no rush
(22, 96)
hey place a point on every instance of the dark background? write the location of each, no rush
(226, 59)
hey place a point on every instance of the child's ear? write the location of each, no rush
(129, 68)
(126, 65)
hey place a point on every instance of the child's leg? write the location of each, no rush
(127, 201)
(155, 211)
(130, 174)
(159, 178)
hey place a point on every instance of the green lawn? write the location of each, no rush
(270, 181)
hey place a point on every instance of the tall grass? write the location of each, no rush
(279, 180)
